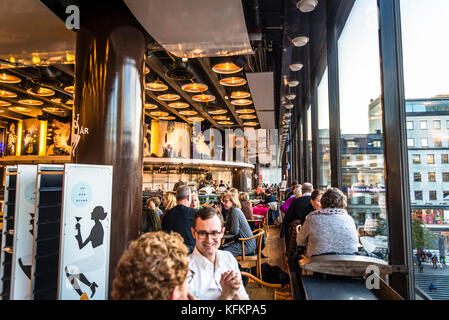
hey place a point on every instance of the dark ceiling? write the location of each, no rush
(270, 36)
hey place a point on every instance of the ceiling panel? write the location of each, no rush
(193, 29)
(262, 90)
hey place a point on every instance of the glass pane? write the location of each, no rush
(426, 85)
(324, 154)
(363, 179)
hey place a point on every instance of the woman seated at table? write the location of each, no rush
(297, 192)
(330, 230)
(247, 208)
(237, 226)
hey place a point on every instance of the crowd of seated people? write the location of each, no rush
(210, 236)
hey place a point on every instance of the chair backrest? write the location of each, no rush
(344, 265)
(258, 235)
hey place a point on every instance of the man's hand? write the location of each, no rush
(230, 283)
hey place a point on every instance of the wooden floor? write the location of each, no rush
(275, 251)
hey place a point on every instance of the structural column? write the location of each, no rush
(108, 112)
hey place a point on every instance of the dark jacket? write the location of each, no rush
(180, 219)
(269, 199)
(297, 210)
(150, 221)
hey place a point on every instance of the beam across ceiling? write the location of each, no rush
(156, 66)
(166, 106)
(205, 64)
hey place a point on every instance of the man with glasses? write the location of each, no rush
(216, 274)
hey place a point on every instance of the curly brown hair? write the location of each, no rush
(333, 198)
(151, 267)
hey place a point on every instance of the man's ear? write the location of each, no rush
(193, 232)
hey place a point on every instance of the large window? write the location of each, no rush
(324, 164)
(426, 69)
(309, 143)
(361, 123)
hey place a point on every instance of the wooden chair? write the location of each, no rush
(274, 291)
(254, 260)
(259, 223)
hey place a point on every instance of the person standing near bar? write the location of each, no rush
(180, 218)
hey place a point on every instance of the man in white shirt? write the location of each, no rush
(216, 275)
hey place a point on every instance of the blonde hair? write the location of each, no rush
(234, 190)
(243, 196)
(171, 201)
(233, 197)
(151, 267)
(195, 195)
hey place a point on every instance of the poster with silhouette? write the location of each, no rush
(23, 232)
(30, 137)
(84, 260)
(58, 138)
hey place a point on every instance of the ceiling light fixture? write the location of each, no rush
(178, 105)
(245, 111)
(52, 109)
(251, 123)
(69, 89)
(167, 118)
(169, 97)
(217, 111)
(19, 109)
(7, 78)
(31, 102)
(43, 92)
(159, 113)
(293, 83)
(241, 102)
(306, 5)
(193, 119)
(220, 117)
(150, 106)
(247, 116)
(7, 94)
(194, 87)
(300, 41)
(289, 106)
(225, 122)
(203, 98)
(291, 96)
(232, 81)
(226, 68)
(188, 112)
(296, 66)
(240, 95)
(156, 86)
(4, 103)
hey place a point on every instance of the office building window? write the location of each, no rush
(438, 142)
(410, 125)
(444, 158)
(424, 142)
(447, 124)
(418, 195)
(432, 177)
(324, 163)
(423, 124)
(445, 176)
(437, 124)
(445, 195)
(417, 176)
(430, 159)
(410, 142)
(416, 158)
(373, 161)
(432, 195)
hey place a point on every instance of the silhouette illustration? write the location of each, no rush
(93, 262)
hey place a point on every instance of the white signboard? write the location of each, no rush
(23, 232)
(84, 260)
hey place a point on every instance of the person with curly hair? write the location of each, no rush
(330, 230)
(154, 267)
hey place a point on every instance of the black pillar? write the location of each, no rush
(109, 87)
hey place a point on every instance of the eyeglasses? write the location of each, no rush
(204, 234)
(190, 276)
